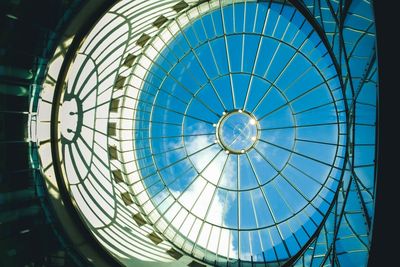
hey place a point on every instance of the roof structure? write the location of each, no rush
(221, 133)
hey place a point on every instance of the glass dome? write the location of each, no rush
(238, 132)
(220, 132)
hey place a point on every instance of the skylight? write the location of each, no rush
(218, 132)
(239, 132)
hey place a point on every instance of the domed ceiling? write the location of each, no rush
(218, 132)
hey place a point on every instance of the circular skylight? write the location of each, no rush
(215, 128)
(237, 142)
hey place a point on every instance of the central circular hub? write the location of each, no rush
(237, 131)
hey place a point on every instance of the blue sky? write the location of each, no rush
(272, 66)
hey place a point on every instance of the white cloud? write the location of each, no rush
(201, 194)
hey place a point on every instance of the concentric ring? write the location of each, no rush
(237, 131)
(196, 191)
(141, 138)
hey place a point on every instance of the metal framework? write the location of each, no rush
(134, 131)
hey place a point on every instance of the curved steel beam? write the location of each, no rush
(79, 224)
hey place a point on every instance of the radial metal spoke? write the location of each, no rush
(299, 154)
(202, 67)
(292, 100)
(227, 55)
(259, 44)
(168, 74)
(302, 126)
